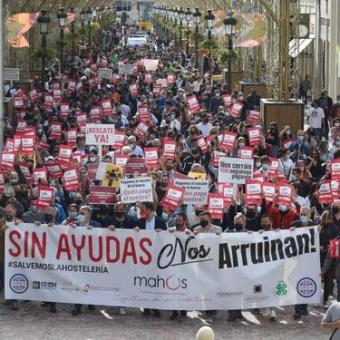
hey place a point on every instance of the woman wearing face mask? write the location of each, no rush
(240, 143)
(286, 137)
(314, 165)
(72, 212)
(305, 173)
(272, 138)
(285, 163)
(334, 132)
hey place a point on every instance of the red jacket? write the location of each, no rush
(283, 220)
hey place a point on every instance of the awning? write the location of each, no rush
(296, 46)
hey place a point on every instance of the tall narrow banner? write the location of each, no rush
(162, 270)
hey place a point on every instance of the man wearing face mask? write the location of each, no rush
(264, 169)
(283, 216)
(204, 126)
(136, 150)
(120, 219)
(33, 214)
(253, 216)
(299, 148)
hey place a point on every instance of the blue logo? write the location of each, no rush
(18, 283)
(306, 287)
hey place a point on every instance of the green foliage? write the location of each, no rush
(210, 44)
(226, 55)
(40, 53)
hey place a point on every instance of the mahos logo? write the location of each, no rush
(171, 282)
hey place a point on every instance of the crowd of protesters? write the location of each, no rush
(46, 136)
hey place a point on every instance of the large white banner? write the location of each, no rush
(161, 269)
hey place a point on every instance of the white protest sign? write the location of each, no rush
(235, 170)
(170, 271)
(134, 190)
(196, 191)
(126, 69)
(150, 64)
(100, 134)
(105, 73)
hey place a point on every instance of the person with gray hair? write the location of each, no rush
(205, 333)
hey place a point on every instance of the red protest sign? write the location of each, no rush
(151, 157)
(228, 140)
(65, 154)
(226, 189)
(45, 196)
(236, 109)
(173, 197)
(55, 130)
(324, 194)
(169, 148)
(227, 100)
(268, 190)
(246, 152)
(253, 192)
(334, 249)
(216, 205)
(39, 173)
(54, 170)
(71, 178)
(7, 160)
(335, 169)
(253, 116)
(102, 195)
(254, 136)
(285, 193)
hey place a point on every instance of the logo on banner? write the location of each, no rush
(18, 283)
(171, 282)
(44, 285)
(258, 289)
(281, 289)
(306, 287)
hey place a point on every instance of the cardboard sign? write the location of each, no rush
(246, 152)
(100, 134)
(7, 160)
(196, 191)
(324, 194)
(269, 191)
(134, 190)
(45, 196)
(150, 64)
(135, 166)
(227, 190)
(285, 193)
(169, 148)
(151, 157)
(216, 205)
(228, 140)
(173, 197)
(254, 136)
(105, 73)
(102, 195)
(71, 178)
(235, 170)
(126, 69)
(253, 192)
(335, 169)
(112, 176)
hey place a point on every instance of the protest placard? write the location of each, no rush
(137, 189)
(102, 195)
(100, 134)
(196, 191)
(105, 73)
(234, 170)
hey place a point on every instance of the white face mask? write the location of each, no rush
(337, 124)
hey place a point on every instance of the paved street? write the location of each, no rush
(33, 322)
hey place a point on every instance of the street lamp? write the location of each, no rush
(188, 16)
(62, 19)
(43, 20)
(210, 20)
(230, 23)
(196, 19)
(83, 18)
(88, 24)
(73, 31)
(181, 17)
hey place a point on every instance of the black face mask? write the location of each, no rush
(238, 226)
(120, 214)
(78, 202)
(179, 226)
(265, 227)
(197, 212)
(204, 223)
